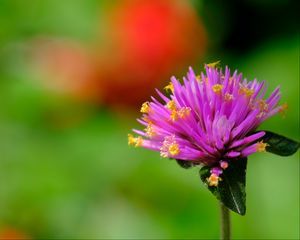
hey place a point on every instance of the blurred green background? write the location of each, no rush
(73, 74)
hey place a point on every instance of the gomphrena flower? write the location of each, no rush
(208, 119)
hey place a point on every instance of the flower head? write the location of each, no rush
(210, 122)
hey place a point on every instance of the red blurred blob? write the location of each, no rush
(141, 44)
(67, 68)
(147, 42)
(12, 234)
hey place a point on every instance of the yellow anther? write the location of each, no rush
(228, 97)
(213, 180)
(169, 147)
(171, 105)
(174, 149)
(184, 112)
(261, 146)
(131, 139)
(145, 107)
(174, 115)
(247, 91)
(217, 88)
(135, 141)
(284, 107)
(198, 78)
(139, 141)
(170, 87)
(150, 131)
(263, 108)
(214, 64)
(282, 111)
(262, 105)
(146, 119)
(181, 113)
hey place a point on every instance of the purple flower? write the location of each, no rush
(208, 119)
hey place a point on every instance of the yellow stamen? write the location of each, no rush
(170, 87)
(174, 115)
(282, 111)
(145, 107)
(150, 131)
(184, 112)
(261, 146)
(137, 142)
(131, 139)
(214, 64)
(181, 113)
(171, 105)
(198, 78)
(263, 108)
(247, 91)
(174, 149)
(146, 119)
(217, 88)
(228, 97)
(262, 105)
(213, 180)
(169, 147)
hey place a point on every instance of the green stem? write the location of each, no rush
(225, 222)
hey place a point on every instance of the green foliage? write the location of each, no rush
(231, 190)
(280, 145)
(185, 164)
(66, 172)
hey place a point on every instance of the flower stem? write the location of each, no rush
(225, 222)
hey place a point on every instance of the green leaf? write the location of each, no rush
(280, 145)
(184, 163)
(231, 190)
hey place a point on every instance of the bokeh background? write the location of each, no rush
(73, 74)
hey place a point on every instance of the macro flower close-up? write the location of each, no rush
(149, 119)
(208, 119)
